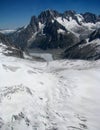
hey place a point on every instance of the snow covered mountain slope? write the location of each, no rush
(88, 48)
(57, 95)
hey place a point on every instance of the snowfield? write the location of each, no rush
(56, 95)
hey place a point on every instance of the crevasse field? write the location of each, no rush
(55, 95)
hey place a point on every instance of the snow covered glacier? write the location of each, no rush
(58, 95)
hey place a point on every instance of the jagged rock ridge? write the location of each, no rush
(54, 30)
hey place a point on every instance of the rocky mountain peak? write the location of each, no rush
(90, 17)
(34, 23)
(48, 15)
(70, 13)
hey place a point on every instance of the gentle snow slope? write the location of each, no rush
(59, 95)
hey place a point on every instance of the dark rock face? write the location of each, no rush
(48, 15)
(87, 53)
(34, 23)
(68, 14)
(85, 50)
(52, 39)
(90, 17)
(95, 35)
(21, 37)
(10, 47)
(4, 39)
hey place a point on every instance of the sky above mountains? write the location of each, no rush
(16, 13)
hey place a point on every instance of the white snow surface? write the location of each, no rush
(67, 24)
(79, 17)
(61, 31)
(56, 95)
(72, 26)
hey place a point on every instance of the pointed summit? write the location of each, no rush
(48, 15)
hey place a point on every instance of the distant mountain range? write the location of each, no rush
(78, 35)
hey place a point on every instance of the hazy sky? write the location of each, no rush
(16, 13)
